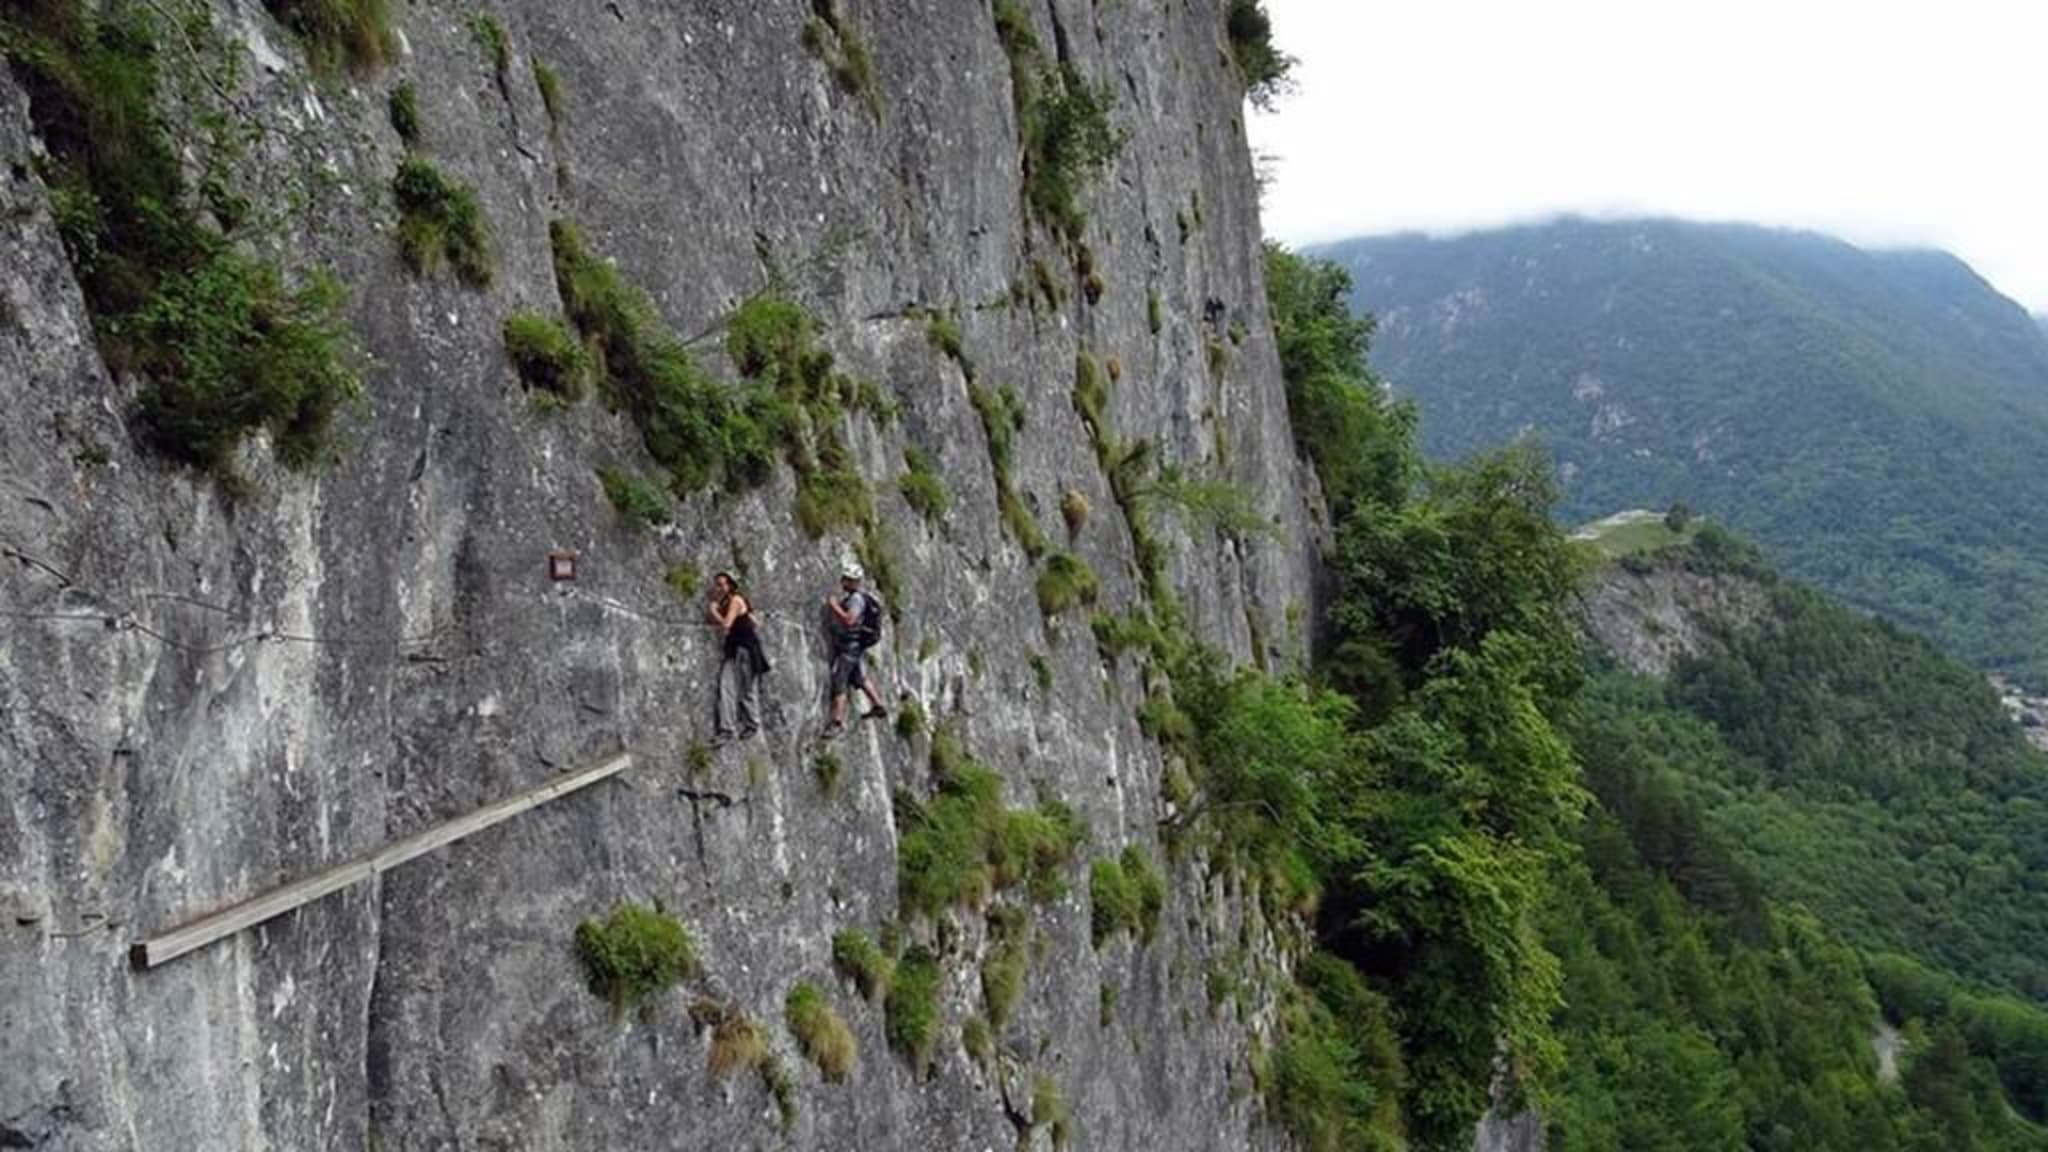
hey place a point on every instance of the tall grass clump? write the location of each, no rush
(819, 1031)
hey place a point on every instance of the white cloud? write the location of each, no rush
(1884, 122)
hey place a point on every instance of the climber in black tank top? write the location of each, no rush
(744, 659)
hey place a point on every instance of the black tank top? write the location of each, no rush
(742, 637)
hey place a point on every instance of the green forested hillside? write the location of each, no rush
(1875, 420)
(1821, 761)
(1503, 863)
(1702, 1014)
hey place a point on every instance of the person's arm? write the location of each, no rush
(846, 618)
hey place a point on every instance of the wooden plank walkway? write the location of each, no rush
(217, 925)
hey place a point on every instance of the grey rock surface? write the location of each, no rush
(1652, 617)
(201, 697)
(1509, 1132)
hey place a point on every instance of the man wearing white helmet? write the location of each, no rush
(856, 624)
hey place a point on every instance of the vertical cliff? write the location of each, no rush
(209, 687)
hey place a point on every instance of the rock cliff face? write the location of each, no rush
(201, 696)
(1653, 615)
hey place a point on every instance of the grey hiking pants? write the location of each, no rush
(740, 668)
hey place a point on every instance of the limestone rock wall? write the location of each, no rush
(202, 696)
(1653, 616)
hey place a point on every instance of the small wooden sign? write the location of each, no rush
(561, 566)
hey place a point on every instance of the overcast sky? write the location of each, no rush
(1886, 123)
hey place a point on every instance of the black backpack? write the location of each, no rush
(869, 633)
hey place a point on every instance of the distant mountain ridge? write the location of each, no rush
(1876, 420)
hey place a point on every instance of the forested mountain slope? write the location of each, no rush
(1674, 905)
(1875, 420)
(1813, 812)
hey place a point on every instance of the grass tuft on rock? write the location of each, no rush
(912, 1006)
(683, 580)
(922, 486)
(404, 108)
(819, 1031)
(1074, 510)
(695, 428)
(546, 355)
(1003, 969)
(1049, 1110)
(832, 500)
(1063, 121)
(856, 957)
(337, 34)
(1261, 66)
(552, 97)
(634, 954)
(440, 223)
(737, 1042)
(962, 845)
(910, 720)
(1066, 581)
(639, 504)
(978, 1040)
(834, 40)
(827, 767)
(1002, 417)
(1125, 894)
(490, 36)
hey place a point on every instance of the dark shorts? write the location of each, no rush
(847, 672)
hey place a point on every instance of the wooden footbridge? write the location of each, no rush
(226, 922)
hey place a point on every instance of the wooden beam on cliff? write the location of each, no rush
(218, 925)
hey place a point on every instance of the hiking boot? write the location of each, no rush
(875, 714)
(834, 729)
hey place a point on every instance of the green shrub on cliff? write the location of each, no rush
(962, 845)
(912, 1007)
(1262, 67)
(1063, 121)
(697, 429)
(224, 343)
(639, 504)
(634, 954)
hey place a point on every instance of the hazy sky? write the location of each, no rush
(1886, 123)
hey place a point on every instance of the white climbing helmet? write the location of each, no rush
(850, 569)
